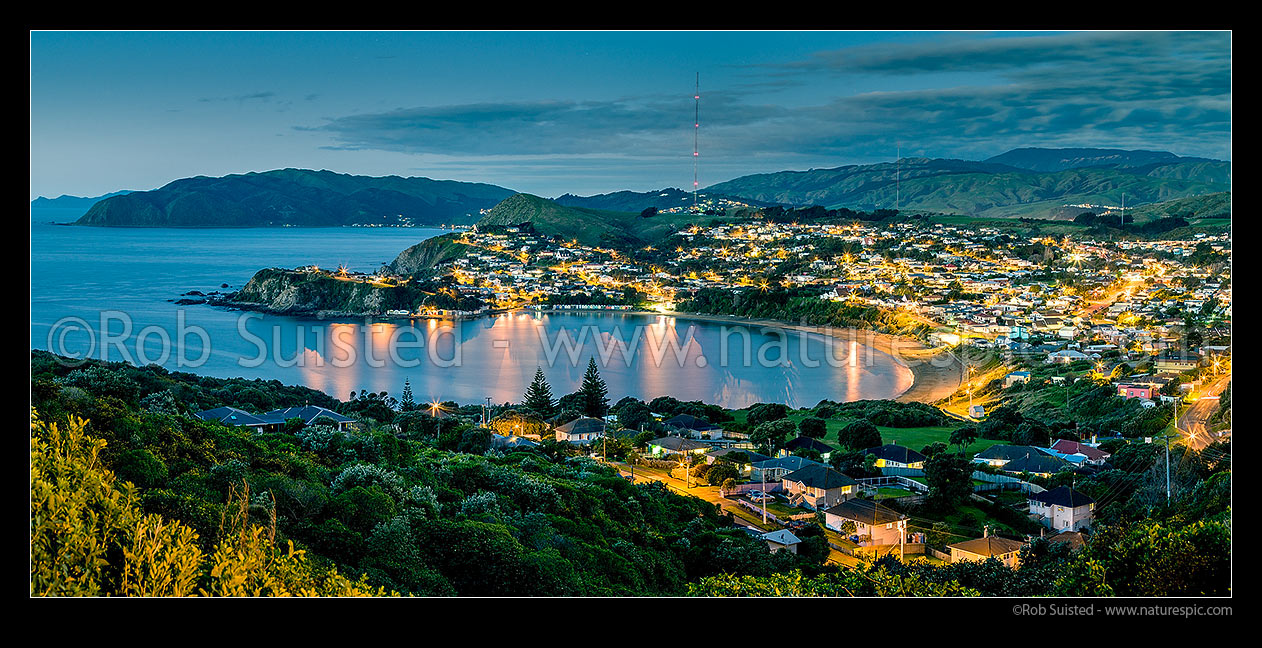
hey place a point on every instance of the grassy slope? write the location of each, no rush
(594, 227)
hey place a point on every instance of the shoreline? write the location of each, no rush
(936, 373)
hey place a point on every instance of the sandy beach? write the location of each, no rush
(936, 373)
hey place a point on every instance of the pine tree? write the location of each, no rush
(406, 402)
(538, 398)
(594, 394)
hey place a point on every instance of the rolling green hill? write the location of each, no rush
(429, 254)
(1061, 159)
(981, 188)
(638, 201)
(588, 226)
(297, 197)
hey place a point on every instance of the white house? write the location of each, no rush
(1063, 509)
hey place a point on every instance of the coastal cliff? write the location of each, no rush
(300, 292)
(293, 292)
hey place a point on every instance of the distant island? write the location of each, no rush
(298, 197)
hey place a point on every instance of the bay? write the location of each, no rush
(108, 293)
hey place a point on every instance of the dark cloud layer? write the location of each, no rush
(1148, 90)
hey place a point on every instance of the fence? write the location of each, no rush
(905, 472)
(741, 489)
(876, 551)
(894, 481)
(778, 520)
(1003, 482)
(940, 555)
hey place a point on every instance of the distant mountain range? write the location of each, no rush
(632, 201)
(298, 197)
(1051, 160)
(989, 188)
(1027, 182)
(65, 201)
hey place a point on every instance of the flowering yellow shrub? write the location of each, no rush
(89, 536)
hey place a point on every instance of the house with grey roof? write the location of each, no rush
(879, 524)
(581, 431)
(1062, 509)
(999, 455)
(1036, 464)
(807, 443)
(691, 426)
(818, 487)
(232, 417)
(772, 470)
(308, 414)
(1004, 550)
(896, 456)
(782, 540)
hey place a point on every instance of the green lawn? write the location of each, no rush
(914, 437)
(781, 509)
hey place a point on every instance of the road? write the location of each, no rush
(711, 495)
(1110, 298)
(1192, 421)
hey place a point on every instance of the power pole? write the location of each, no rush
(764, 496)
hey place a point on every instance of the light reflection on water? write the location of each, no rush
(83, 271)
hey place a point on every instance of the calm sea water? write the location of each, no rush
(108, 293)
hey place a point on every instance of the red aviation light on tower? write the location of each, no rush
(696, 124)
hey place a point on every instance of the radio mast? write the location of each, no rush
(696, 129)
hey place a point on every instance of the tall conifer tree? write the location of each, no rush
(593, 392)
(538, 398)
(406, 402)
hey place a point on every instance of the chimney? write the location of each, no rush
(986, 531)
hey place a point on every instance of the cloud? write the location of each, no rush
(959, 53)
(253, 96)
(964, 97)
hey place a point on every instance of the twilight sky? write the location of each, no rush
(591, 112)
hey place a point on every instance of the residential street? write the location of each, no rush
(1192, 421)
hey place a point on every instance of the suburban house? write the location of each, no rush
(232, 417)
(1073, 539)
(807, 443)
(1036, 464)
(1066, 356)
(1063, 509)
(673, 445)
(581, 431)
(998, 455)
(896, 456)
(818, 487)
(782, 540)
(772, 470)
(1016, 377)
(1093, 455)
(981, 549)
(308, 414)
(884, 525)
(691, 426)
(1136, 391)
(1178, 363)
